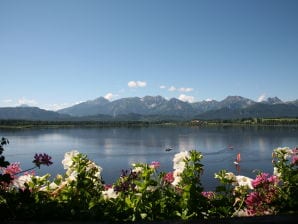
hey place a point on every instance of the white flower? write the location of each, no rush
(151, 188)
(53, 186)
(21, 180)
(110, 193)
(230, 176)
(68, 156)
(179, 160)
(244, 181)
(92, 165)
(241, 213)
(286, 151)
(179, 167)
(180, 157)
(276, 173)
(177, 176)
(72, 176)
(177, 173)
(138, 169)
(177, 180)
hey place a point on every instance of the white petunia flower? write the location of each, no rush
(241, 213)
(68, 156)
(72, 176)
(275, 172)
(138, 169)
(53, 186)
(21, 180)
(230, 176)
(179, 159)
(286, 151)
(244, 181)
(110, 193)
(177, 180)
(92, 165)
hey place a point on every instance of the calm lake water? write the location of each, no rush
(115, 149)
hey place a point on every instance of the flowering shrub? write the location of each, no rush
(286, 169)
(143, 192)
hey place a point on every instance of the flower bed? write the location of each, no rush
(143, 193)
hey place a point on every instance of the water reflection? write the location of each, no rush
(116, 148)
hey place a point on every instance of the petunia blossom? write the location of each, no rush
(109, 193)
(244, 181)
(68, 156)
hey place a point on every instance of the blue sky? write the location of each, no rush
(56, 53)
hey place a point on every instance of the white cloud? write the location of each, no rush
(262, 97)
(109, 96)
(29, 102)
(135, 84)
(162, 87)
(208, 99)
(172, 88)
(182, 89)
(186, 98)
(141, 84)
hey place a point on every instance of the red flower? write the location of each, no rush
(169, 178)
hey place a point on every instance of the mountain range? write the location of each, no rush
(158, 108)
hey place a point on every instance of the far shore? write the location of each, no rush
(22, 124)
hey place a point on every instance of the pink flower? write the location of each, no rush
(107, 186)
(208, 194)
(295, 159)
(273, 179)
(169, 177)
(155, 164)
(295, 150)
(260, 179)
(253, 202)
(13, 169)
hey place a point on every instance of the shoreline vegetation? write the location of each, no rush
(20, 124)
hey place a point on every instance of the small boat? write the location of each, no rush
(168, 149)
(238, 159)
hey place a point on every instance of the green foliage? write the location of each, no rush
(143, 193)
(4, 178)
(285, 162)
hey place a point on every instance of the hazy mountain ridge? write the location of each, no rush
(30, 113)
(152, 105)
(158, 108)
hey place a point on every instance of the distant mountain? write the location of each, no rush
(87, 108)
(204, 106)
(263, 110)
(151, 108)
(235, 102)
(295, 102)
(273, 100)
(157, 106)
(30, 113)
(148, 105)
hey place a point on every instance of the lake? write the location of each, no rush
(115, 149)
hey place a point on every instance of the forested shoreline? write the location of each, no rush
(136, 123)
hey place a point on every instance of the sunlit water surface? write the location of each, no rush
(115, 149)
